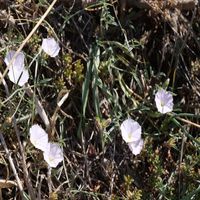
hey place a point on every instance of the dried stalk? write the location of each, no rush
(12, 165)
(188, 122)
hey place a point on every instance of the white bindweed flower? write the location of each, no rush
(136, 147)
(164, 101)
(53, 155)
(39, 138)
(50, 47)
(131, 130)
(17, 72)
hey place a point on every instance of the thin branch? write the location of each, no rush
(188, 122)
(25, 170)
(12, 165)
(49, 181)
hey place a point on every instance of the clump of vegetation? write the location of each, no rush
(99, 100)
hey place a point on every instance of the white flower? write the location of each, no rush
(50, 47)
(17, 72)
(131, 133)
(39, 138)
(18, 61)
(131, 130)
(53, 155)
(164, 101)
(136, 147)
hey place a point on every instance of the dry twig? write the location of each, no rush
(12, 164)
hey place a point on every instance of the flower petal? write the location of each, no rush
(136, 147)
(17, 72)
(131, 131)
(18, 77)
(50, 47)
(164, 101)
(39, 138)
(54, 155)
(18, 62)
